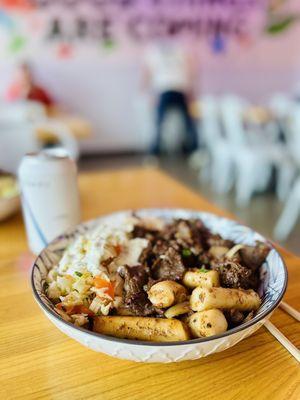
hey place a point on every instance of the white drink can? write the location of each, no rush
(50, 199)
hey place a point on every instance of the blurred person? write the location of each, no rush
(168, 73)
(23, 87)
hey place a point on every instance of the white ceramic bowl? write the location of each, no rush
(273, 288)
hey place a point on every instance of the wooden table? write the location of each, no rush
(39, 362)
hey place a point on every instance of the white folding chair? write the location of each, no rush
(253, 159)
(290, 213)
(219, 168)
(280, 104)
(291, 210)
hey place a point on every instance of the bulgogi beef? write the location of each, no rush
(174, 249)
(188, 233)
(235, 275)
(253, 257)
(136, 299)
(143, 232)
(181, 245)
(168, 265)
(234, 317)
(217, 240)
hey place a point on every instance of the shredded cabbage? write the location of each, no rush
(96, 254)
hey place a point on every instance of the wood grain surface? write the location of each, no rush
(37, 361)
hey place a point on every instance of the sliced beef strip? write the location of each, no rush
(182, 231)
(185, 238)
(168, 265)
(217, 240)
(187, 233)
(235, 275)
(140, 231)
(249, 316)
(135, 297)
(254, 256)
(190, 261)
(147, 256)
(160, 247)
(171, 230)
(205, 260)
(200, 233)
(234, 317)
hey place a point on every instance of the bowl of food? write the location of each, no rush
(9, 195)
(159, 285)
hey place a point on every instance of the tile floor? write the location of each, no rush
(261, 214)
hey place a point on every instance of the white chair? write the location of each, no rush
(245, 158)
(280, 104)
(253, 159)
(291, 210)
(221, 163)
(290, 213)
(18, 126)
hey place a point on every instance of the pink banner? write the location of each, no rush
(72, 28)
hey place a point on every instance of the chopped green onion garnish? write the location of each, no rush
(202, 269)
(78, 273)
(186, 252)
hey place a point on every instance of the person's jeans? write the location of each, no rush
(175, 100)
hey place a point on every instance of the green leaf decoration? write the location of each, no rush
(282, 24)
(16, 44)
(109, 44)
(186, 252)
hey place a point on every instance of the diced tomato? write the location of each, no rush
(66, 309)
(78, 309)
(59, 306)
(81, 309)
(102, 283)
(118, 249)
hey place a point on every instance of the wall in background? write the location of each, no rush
(103, 85)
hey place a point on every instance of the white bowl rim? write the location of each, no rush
(95, 335)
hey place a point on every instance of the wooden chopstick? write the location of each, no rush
(283, 340)
(290, 310)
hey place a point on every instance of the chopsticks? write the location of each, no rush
(280, 336)
(290, 310)
(283, 340)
